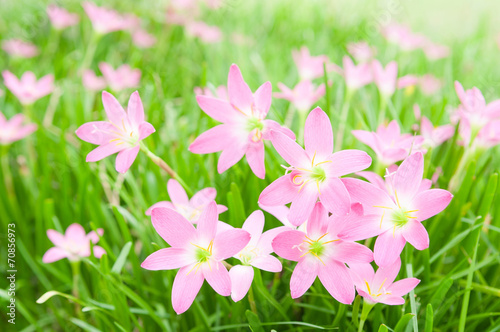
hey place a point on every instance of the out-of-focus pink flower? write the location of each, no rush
(388, 143)
(303, 96)
(356, 76)
(206, 33)
(403, 37)
(321, 253)
(122, 78)
(19, 48)
(243, 128)
(310, 67)
(189, 208)
(379, 287)
(435, 51)
(435, 136)
(143, 39)
(73, 245)
(61, 18)
(92, 82)
(220, 92)
(105, 20)
(13, 130)
(198, 252)
(180, 12)
(487, 137)
(131, 22)
(385, 78)
(122, 132)
(407, 80)
(28, 89)
(429, 84)
(361, 51)
(314, 172)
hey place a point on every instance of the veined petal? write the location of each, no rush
(388, 247)
(387, 274)
(115, 112)
(217, 276)
(263, 97)
(213, 140)
(281, 191)
(286, 245)
(231, 154)
(368, 195)
(337, 281)
(177, 193)
(335, 197)
(348, 161)
(187, 284)
(270, 125)
(255, 158)
(318, 134)
(318, 221)
(218, 109)
(145, 129)
(104, 151)
(266, 239)
(230, 243)
(303, 277)
(415, 233)
(168, 259)
(240, 94)
(392, 300)
(54, 254)
(135, 109)
(430, 202)
(96, 132)
(363, 228)
(125, 158)
(162, 204)
(267, 263)
(403, 286)
(408, 177)
(203, 197)
(207, 223)
(289, 150)
(56, 237)
(351, 253)
(360, 273)
(303, 204)
(241, 280)
(172, 227)
(254, 224)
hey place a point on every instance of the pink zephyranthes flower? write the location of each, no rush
(220, 92)
(320, 253)
(105, 20)
(92, 82)
(385, 78)
(189, 208)
(61, 18)
(435, 136)
(28, 89)
(199, 253)
(19, 48)
(303, 96)
(13, 130)
(206, 33)
(257, 253)
(356, 76)
(122, 78)
(314, 172)
(310, 67)
(435, 51)
(361, 51)
(396, 218)
(73, 245)
(122, 132)
(403, 37)
(243, 127)
(143, 39)
(379, 287)
(388, 143)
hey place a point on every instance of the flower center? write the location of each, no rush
(379, 292)
(255, 126)
(248, 254)
(316, 173)
(203, 255)
(399, 216)
(315, 247)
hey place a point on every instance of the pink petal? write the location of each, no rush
(221, 208)
(267, 263)
(97, 132)
(162, 204)
(213, 140)
(270, 125)
(218, 277)
(168, 259)
(203, 197)
(317, 222)
(176, 193)
(289, 150)
(114, 110)
(368, 195)
(281, 191)
(218, 109)
(76, 234)
(255, 158)
(362, 228)
(229, 243)
(145, 129)
(240, 94)
(408, 177)
(103, 151)
(386, 275)
(286, 245)
(125, 158)
(266, 240)
(187, 284)
(403, 286)
(241, 280)
(361, 273)
(303, 277)
(318, 135)
(388, 247)
(373, 178)
(367, 138)
(335, 197)
(263, 97)
(302, 205)
(337, 280)
(172, 227)
(348, 161)
(352, 253)
(135, 109)
(254, 224)
(98, 251)
(54, 254)
(207, 223)
(56, 237)
(430, 202)
(280, 212)
(415, 233)
(94, 237)
(392, 300)
(231, 154)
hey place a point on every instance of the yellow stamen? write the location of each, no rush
(312, 162)
(397, 200)
(324, 162)
(368, 287)
(383, 282)
(382, 219)
(317, 184)
(382, 207)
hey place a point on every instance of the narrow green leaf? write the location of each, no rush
(403, 322)
(254, 321)
(383, 328)
(122, 258)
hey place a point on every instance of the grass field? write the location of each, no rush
(45, 182)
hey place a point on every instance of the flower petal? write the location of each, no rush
(54, 254)
(203, 197)
(125, 158)
(218, 277)
(303, 204)
(96, 132)
(430, 202)
(254, 224)
(281, 191)
(76, 234)
(213, 140)
(104, 151)
(386, 275)
(255, 158)
(289, 150)
(187, 284)
(135, 109)
(286, 245)
(415, 233)
(337, 281)
(392, 300)
(361, 228)
(263, 97)
(408, 177)
(241, 280)
(145, 129)
(168, 259)
(114, 110)
(240, 94)
(230, 243)
(218, 109)
(368, 195)
(351, 253)
(335, 197)
(303, 277)
(388, 247)
(318, 134)
(172, 227)
(317, 222)
(267, 263)
(56, 237)
(177, 193)
(98, 251)
(231, 154)
(403, 286)
(348, 161)
(162, 204)
(207, 223)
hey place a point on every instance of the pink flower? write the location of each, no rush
(143, 39)
(487, 137)
(206, 33)
(122, 78)
(181, 12)
(396, 219)
(435, 51)
(429, 84)
(243, 127)
(257, 253)
(122, 133)
(220, 92)
(314, 172)
(199, 253)
(189, 208)
(403, 37)
(28, 89)
(388, 143)
(385, 78)
(361, 51)
(320, 253)
(19, 48)
(356, 76)
(379, 287)
(303, 96)
(474, 111)
(61, 18)
(92, 82)
(73, 245)
(13, 130)
(435, 136)
(309, 67)
(407, 80)
(105, 20)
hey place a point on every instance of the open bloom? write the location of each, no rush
(92, 82)
(397, 218)
(143, 39)
(28, 89)
(13, 130)
(388, 143)
(402, 36)
(361, 51)
(314, 172)
(73, 245)
(435, 136)
(122, 132)
(61, 18)
(105, 20)
(310, 67)
(256, 253)
(189, 208)
(385, 78)
(320, 253)
(303, 96)
(206, 33)
(122, 78)
(198, 253)
(243, 127)
(356, 76)
(19, 48)
(379, 287)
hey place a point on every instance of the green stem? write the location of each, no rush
(302, 124)
(343, 118)
(383, 108)
(91, 48)
(7, 175)
(367, 307)
(75, 268)
(251, 300)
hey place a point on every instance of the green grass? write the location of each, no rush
(46, 183)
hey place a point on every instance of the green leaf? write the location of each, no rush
(440, 293)
(403, 321)
(383, 328)
(254, 321)
(429, 318)
(122, 258)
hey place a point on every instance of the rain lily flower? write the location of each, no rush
(388, 143)
(19, 48)
(429, 84)
(257, 253)
(244, 125)
(180, 12)
(13, 130)
(122, 133)
(435, 136)
(281, 212)
(310, 67)
(199, 253)
(143, 39)
(356, 76)
(105, 20)
(397, 218)
(435, 51)
(314, 172)
(406, 81)
(73, 245)
(189, 208)
(385, 78)
(320, 253)
(361, 51)
(206, 33)
(28, 89)
(403, 37)
(122, 78)
(487, 137)
(379, 287)
(61, 18)
(220, 92)
(303, 96)
(92, 82)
